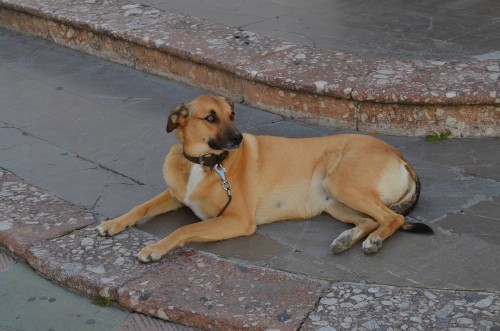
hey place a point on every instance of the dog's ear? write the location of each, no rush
(175, 116)
(230, 102)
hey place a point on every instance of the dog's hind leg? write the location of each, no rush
(370, 205)
(357, 195)
(389, 222)
(363, 226)
(160, 204)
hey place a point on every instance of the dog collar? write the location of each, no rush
(207, 160)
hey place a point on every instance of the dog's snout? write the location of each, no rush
(236, 138)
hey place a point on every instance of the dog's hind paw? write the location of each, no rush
(372, 245)
(342, 242)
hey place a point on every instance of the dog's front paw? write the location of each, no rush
(372, 245)
(151, 253)
(110, 228)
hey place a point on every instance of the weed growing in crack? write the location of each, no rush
(101, 301)
(436, 137)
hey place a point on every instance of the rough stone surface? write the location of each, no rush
(90, 263)
(403, 119)
(29, 215)
(374, 307)
(432, 30)
(197, 289)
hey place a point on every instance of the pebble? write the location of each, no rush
(320, 86)
(493, 68)
(445, 311)
(416, 319)
(371, 325)
(386, 72)
(87, 242)
(327, 328)
(464, 321)
(451, 94)
(329, 301)
(486, 302)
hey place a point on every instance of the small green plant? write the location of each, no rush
(436, 137)
(101, 301)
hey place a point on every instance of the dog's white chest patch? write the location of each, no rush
(196, 175)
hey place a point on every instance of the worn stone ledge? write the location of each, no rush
(392, 96)
(28, 215)
(187, 286)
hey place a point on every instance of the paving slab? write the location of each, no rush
(443, 260)
(374, 307)
(30, 302)
(17, 107)
(469, 158)
(96, 187)
(120, 133)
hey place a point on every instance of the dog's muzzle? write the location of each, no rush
(226, 143)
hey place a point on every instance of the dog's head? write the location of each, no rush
(205, 125)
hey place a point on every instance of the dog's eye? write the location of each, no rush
(232, 116)
(210, 118)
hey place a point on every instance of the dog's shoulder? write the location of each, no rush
(176, 167)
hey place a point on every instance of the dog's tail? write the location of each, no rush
(417, 228)
(410, 200)
(408, 203)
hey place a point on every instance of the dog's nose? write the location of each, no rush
(236, 138)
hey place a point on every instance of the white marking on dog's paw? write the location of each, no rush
(372, 245)
(342, 242)
(107, 229)
(103, 231)
(149, 254)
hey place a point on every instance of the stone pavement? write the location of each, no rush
(82, 140)
(354, 91)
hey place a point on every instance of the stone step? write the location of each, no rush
(389, 96)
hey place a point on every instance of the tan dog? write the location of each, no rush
(356, 179)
